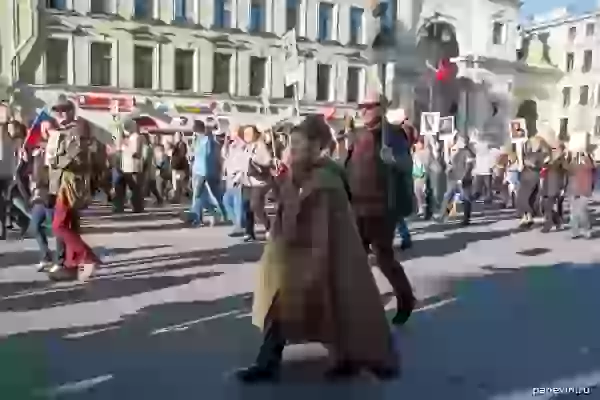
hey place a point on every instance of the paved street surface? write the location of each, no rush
(502, 312)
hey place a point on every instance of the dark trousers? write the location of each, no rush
(271, 349)
(552, 208)
(133, 181)
(4, 206)
(377, 233)
(528, 191)
(483, 187)
(152, 188)
(254, 199)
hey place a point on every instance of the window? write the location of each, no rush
(353, 87)
(57, 61)
(498, 30)
(584, 95)
(258, 72)
(291, 14)
(223, 9)
(589, 29)
(143, 9)
(257, 16)
(143, 73)
(56, 4)
(99, 7)
(100, 64)
(389, 14)
(566, 95)
(570, 62)
(323, 82)
(180, 10)
(563, 131)
(597, 126)
(325, 21)
(288, 92)
(572, 33)
(356, 25)
(221, 63)
(587, 61)
(184, 69)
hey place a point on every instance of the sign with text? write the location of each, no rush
(102, 102)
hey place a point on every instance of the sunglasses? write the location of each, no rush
(368, 106)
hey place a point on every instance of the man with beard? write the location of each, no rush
(380, 198)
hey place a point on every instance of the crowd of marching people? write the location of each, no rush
(339, 196)
(233, 175)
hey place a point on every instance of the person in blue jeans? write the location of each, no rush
(234, 170)
(41, 218)
(404, 233)
(206, 175)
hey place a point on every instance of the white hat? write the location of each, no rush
(396, 116)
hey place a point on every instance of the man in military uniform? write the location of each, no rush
(68, 152)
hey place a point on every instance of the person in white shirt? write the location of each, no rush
(132, 169)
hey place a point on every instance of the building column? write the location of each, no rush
(126, 63)
(277, 75)
(81, 55)
(310, 80)
(206, 13)
(243, 14)
(242, 74)
(205, 66)
(166, 63)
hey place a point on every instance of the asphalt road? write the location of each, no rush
(502, 312)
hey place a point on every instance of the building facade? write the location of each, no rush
(192, 53)
(573, 45)
(174, 57)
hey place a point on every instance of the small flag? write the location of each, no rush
(34, 133)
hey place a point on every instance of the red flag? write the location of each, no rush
(444, 70)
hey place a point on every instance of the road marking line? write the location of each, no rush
(79, 335)
(186, 325)
(74, 387)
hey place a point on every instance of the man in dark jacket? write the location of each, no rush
(380, 199)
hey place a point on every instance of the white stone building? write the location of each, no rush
(573, 42)
(184, 55)
(179, 57)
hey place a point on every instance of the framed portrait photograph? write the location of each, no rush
(446, 130)
(430, 123)
(518, 130)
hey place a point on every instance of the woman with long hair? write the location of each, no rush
(80, 260)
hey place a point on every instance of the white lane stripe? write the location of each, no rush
(73, 387)
(186, 325)
(79, 335)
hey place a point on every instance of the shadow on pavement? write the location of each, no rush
(511, 330)
(32, 257)
(235, 254)
(450, 243)
(96, 290)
